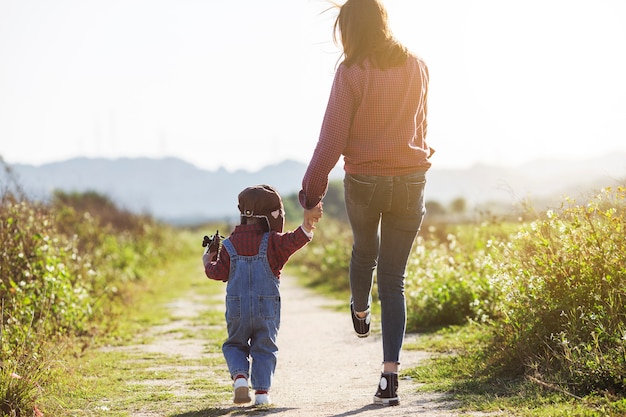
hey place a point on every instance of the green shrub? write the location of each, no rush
(65, 268)
(42, 299)
(39, 275)
(563, 280)
(120, 245)
(449, 282)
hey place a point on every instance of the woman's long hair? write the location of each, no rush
(364, 30)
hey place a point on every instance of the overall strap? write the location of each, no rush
(263, 246)
(229, 247)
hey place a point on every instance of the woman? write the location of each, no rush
(376, 119)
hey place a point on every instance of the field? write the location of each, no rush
(526, 315)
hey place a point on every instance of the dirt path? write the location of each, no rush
(323, 368)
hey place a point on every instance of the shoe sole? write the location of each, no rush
(242, 395)
(387, 401)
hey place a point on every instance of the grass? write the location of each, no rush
(459, 368)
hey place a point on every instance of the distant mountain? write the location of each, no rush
(540, 181)
(170, 188)
(173, 190)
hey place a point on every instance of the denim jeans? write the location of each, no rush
(252, 317)
(385, 214)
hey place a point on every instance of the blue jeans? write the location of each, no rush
(252, 317)
(395, 207)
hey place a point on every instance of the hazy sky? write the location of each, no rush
(243, 84)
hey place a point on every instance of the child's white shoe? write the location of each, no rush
(262, 399)
(241, 391)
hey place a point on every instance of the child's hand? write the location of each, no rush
(208, 257)
(312, 216)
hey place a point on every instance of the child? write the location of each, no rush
(254, 256)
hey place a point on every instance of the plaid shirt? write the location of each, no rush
(377, 120)
(246, 238)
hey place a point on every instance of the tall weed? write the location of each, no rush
(564, 284)
(64, 271)
(39, 273)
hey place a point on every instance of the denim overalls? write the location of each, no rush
(252, 316)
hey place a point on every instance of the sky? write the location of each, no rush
(244, 84)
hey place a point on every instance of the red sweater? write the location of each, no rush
(247, 238)
(376, 119)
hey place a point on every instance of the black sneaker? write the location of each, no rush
(387, 393)
(361, 325)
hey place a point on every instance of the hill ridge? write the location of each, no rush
(173, 189)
